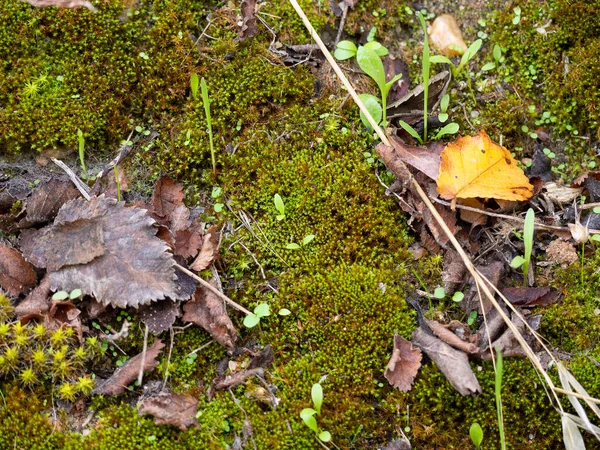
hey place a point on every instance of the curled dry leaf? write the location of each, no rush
(208, 311)
(129, 372)
(46, 200)
(37, 303)
(16, 275)
(403, 365)
(410, 107)
(393, 67)
(208, 252)
(424, 159)
(474, 166)
(226, 382)
(453, 363)
(171, 409)
(532, 296)
(450, 338)
(117, 259)
(249, 27)
(167, 196)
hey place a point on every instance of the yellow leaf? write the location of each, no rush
(474, 166)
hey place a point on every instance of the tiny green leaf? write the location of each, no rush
(75, 293)
(216, 192)
(347, 45)
(316, 393)
(595, 237)
(284, 312)
(596, 209)
(443, 117)
(488, 66)
(410, 130)
(279, 204)
(372, 104)
(497, 52)
(308, 239)
(218, 207)
(324, 436)
(445, 102)
(341, 54)
(476, 434)
(517, 262)
(292, 246)
(60, 295)
(370, 63)
(439, 292)
(262, 310)
(451, 128)
(439, 59)
(472, 317)
(251, 320)
(307, 416)
(458, 297)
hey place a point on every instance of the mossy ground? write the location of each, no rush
(277, 130)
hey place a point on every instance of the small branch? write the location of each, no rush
(141, 374)
(213, 289)
(342, 23)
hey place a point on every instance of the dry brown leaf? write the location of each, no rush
(129, 372)
(208, 252)
(167, 196)
(403, 365)
(226, 382)
(132, 266)
(249, 27)
(474, 166)
(16, 275)
(159, 316)
(64, 313)
(171, 409)
(393, 67)
(453, 363)
(208, 311)
(472, 217)
(37, 303)
(453, 270)
(450, 338)
(531, 296)
(46, 200)
(424, 159)
(491, 272)
(188, 242)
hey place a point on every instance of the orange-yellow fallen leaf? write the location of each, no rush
(474, 166)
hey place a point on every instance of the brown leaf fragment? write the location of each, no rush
(426, 160)
(249, 27)
(46, 200)
(491, 329)
(436, 231)
(403, 365)
(208, 311)
(226, 382)
(159, 316)
(171, 409)
(507, 343)
(209, 251)
(453, 270)
(64, 313)
(167, 196)
(453, 363)
(60, 245)
(180, 219)
(531, 296)
(393, 67)
(492, 272)
(472, 217)
(16, 275)
(63, 4)
(188, 242)
(135, 267)
(129, 371)
(450, 338)
(37, 302)
(263, 359)
(410, 107)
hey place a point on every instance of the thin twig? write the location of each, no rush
(80, 185)
(141, 374)
(202, 347)
(213, 289)
(342, 23)
(172, 335)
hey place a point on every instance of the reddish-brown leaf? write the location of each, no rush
(16, 274)
(249, 27)
(167, 196)
(171, 409)
(532, 296)
(46, 200)
(208, 311)
(127, 373)
(404, 364)
(450, 338)
(188, 241)
(159, 316)
(37, 303)
(426, 160)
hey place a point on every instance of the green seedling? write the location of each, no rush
(251, 320)
(517, 18)
(444, 103)
(439, 292)
(206, 102)
(476, 434)
(279, 206)
(118, 181)
(64, 295)
(519, 260)
(81, 141)
(464, 60)
(215, 194)
(425, 68)
(499, 372)
(458, 297)
(305, 241)
(472, 318)
(284, 312)
(308, 414)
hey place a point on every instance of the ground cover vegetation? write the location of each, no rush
(308, 222)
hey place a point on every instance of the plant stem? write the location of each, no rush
(582, 258)
(426, 65)
(499, 370)
(206, 103)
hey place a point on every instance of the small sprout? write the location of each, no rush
(439, 292)
(284, 312)
(517, 18)
(218, 207)
(308, 239)
(458, 297)
(67, 391)
(443, 116)
(345, 50)
(279, 206)
(60, 296)
(316, 393)
(75, 293)
(251, 320)
(191, 358)
(472, 318)
(476, 434)
(517, 262)
(308, 414)
(194, 83)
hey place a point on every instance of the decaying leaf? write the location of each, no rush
(209, 250)
(171, 409)
(532, 296)
(37, 303)
(167, 196)
(208, 311)
(159, 316)
(450, 338)
(117, 257)
(453, 270)
(189, 241)
(129, 372)
(561, 252)
(46, 200)
(393, 67)
(453, 363)
(474, 166)
(424, 159)
(16, 274)
(410, 107)
(403, 365)
(249, 27)
(64, 313)
(225, 382)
